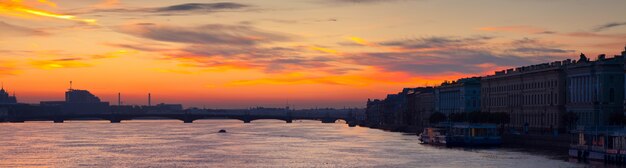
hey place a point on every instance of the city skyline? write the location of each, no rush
(320, 53)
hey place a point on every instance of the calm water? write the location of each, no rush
(259, 144)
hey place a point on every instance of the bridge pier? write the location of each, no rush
(289, 121)
(58, 121)
(188, 121)
(116, 121)
(247, 121)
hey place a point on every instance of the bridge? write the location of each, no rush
(247, 116)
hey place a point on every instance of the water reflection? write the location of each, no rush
(262, 143)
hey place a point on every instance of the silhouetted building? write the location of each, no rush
(373, 112)
(5, 98)
(424, 106)
(533, 96)
(596, 89)
(460, 96)
(417, 100)
(79, 102)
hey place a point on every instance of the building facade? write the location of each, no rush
(424, 106)
(533, 96)
(5, 98)
(79, 102)
(459, 96)
(596, 89)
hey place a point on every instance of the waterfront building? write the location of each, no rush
(416, 102)
(533, 96)
(373, 112)
(5, 98)
(79, 102)
(459, 96)
(394, 107)
(424, 106)
(410, 107)
(595, 89)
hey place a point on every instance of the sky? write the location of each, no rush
(273, 53)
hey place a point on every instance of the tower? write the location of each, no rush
(119, 99)
(149, 99)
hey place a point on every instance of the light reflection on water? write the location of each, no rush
(265, 143)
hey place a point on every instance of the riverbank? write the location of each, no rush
(549, 142)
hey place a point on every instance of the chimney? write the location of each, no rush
(149, 99)
(119, 99)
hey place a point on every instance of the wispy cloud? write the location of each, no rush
(363, 1)
(60, 63)
(437, 42)
(453, 55)
(22, 9)
(215, 34)
(608, 26)
(7, 68)
(178, 9)
(9, 30)
(517, 29)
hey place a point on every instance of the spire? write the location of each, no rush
(70, 85)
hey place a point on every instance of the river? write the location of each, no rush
(265, 143)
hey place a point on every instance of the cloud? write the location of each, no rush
(454, 55)
(608, 26)
(23, 9)
(212, 34)
(528, 46)
(60, 63)
(7, 68)
(364, 1)
(595, 35)
(540, 50)
(437, 42)
(220, 47)
(180, 9)
(465, 61)
(518, 29)
(9, 30)
(201, 7)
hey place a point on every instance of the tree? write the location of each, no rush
(437, 117)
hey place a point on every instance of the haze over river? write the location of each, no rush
(265, 143)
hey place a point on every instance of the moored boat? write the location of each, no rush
(473, 135)
(434, 136)
(607, 144)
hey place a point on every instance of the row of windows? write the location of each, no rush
(516, 100)
(530, 85)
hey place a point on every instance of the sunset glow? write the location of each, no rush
(312, 53)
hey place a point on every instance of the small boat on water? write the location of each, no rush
(433, 136)
(462, 135)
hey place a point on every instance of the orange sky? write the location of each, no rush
(310, 53)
